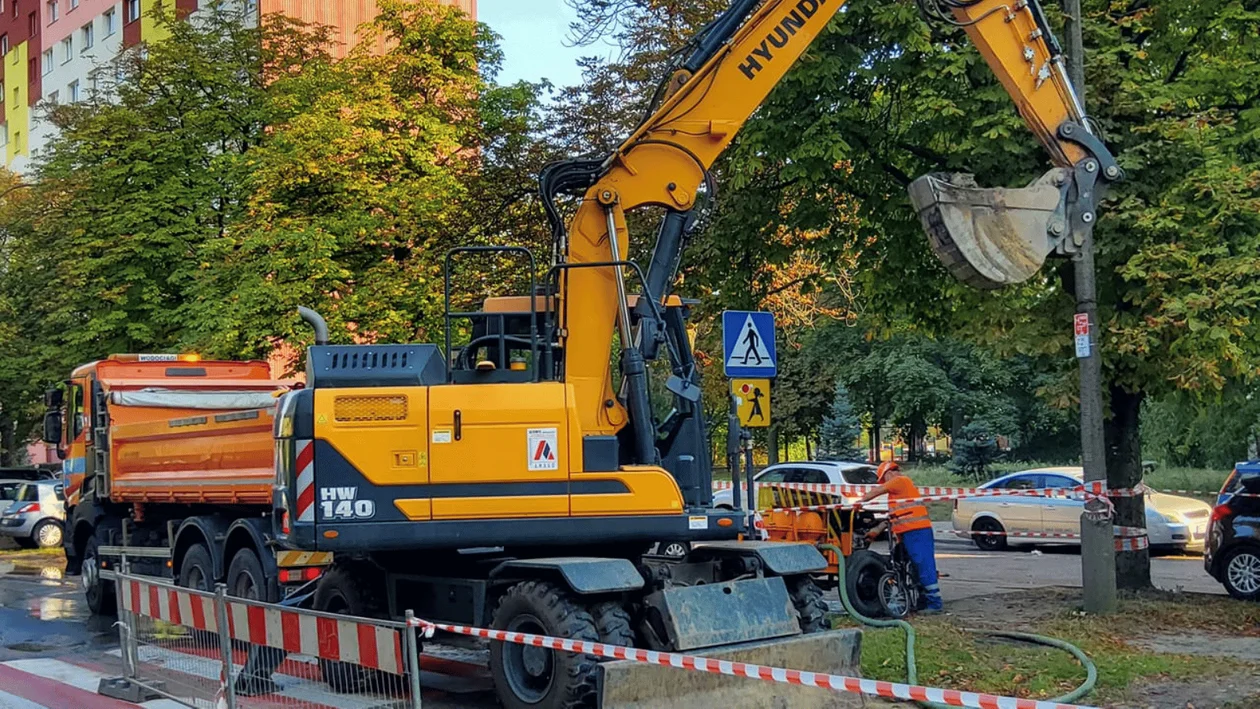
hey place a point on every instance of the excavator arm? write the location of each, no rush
(988, 238)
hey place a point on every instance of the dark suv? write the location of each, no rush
(1233, 546)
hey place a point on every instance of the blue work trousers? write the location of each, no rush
(922, 551)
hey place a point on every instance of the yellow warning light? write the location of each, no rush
(190, 358)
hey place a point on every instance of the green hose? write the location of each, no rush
(912, 671)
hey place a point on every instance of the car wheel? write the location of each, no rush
(1241, 575)
(673, 550)
(990, 534)
(47, 534)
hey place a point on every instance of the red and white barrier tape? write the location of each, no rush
(378, 647)
(1127, 538)
(937, 494)
(839, 683)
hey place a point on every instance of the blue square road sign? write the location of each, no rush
(748, 344)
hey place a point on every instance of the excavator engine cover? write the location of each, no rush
(989, 238)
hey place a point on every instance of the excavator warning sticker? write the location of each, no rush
(541, 444)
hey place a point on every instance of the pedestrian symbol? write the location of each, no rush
(748, 340)
(752, 402)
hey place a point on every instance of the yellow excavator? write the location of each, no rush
(517, 478)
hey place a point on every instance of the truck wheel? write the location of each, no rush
(349, 589)
(612, 622)
(811, 608)
(246, 578)
(527, 677)
(197, 569)
(99, 592)
(862, 571)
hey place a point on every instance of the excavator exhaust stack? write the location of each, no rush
(990, 238)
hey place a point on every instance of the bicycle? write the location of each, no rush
(899, 589)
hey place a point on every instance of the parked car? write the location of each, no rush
(825, 472)
(1172, 521)
(36, 515)
(1233, 548)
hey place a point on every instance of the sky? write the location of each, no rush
(535, 34)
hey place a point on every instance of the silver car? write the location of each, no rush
(33, 513)
(1172, 521)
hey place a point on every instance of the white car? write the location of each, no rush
(820, 472)
(1172, 521)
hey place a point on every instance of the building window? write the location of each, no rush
(17, 141)
(87, 37)
(4, 135)
(72, 91)
(133, 10)
(54, 97)
(32, 24)
(111, 22)
(48, 61)
(4, 44)
(32, 69)
(54, 11)
(74, 4)
(67, 49)
(1, 93)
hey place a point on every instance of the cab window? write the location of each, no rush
(75, 413)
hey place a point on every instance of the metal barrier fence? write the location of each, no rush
(212, 651)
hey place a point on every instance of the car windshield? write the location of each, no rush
(28, 493)
(864, 475)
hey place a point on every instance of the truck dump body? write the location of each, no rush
(198, 433)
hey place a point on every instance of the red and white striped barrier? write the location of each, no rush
(838, 683)
(374, 645)
(305, 464)
(1127, 538)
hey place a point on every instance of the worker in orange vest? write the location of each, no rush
(911, 523)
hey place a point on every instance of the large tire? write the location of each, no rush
(612, 622)
(527, 677)
(47, 534)
(349, 589)
(246, 578)
(811, 607)
(994, 540)
(862, 571)
(196, 571)
(1240, 572)
(98, 591)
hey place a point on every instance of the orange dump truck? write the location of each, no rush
(170, 460)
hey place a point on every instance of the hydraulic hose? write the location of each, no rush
(912, 671)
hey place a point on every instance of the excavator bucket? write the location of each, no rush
(989, 238)
(624, 684)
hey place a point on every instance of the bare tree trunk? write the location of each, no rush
(773, 445)
(809, 451)
(879, 445)
(7, 441)
(1124, 470)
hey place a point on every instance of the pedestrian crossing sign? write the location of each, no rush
(752, 402)
(748, 344)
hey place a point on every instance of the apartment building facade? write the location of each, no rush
(51, 49)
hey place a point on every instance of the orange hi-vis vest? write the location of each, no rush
(906, 516)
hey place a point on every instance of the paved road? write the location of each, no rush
(971, 572)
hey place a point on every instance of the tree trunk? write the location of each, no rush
(1124, 470)
(7, 441)
(809, 452)
(879, 445)
(773, 445)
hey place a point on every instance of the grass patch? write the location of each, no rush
(949, 656)
(53, 551)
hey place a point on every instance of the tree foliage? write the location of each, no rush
(841, 428)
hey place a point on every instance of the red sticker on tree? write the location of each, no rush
(1082, 324)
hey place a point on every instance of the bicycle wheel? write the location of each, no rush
(893, 597)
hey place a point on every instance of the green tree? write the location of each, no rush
(838, 436)
(975, 449)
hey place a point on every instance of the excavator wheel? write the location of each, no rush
(808, 599)
(527, 677)
(612, 622)
(349, 589)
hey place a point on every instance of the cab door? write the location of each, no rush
(499, 450)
